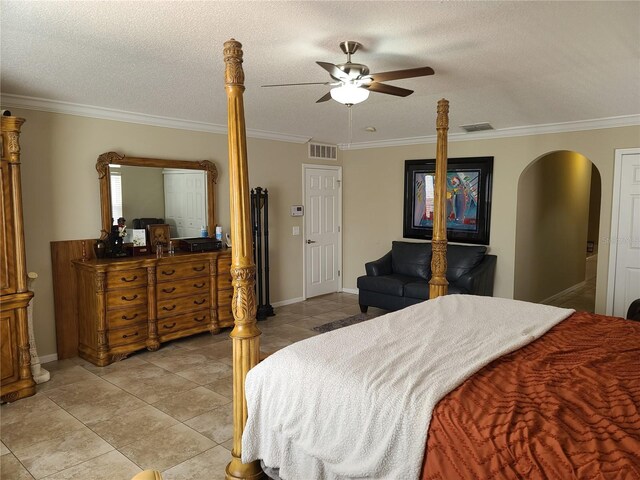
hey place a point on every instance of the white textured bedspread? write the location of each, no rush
(357, 402)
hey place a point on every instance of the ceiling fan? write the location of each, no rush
(352, 82)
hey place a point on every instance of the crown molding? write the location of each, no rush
(54, 106)
(596, 124)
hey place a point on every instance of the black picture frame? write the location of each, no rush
(468, 202)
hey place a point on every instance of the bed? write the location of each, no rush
(555, 396)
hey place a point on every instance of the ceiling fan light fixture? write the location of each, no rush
(349, 94)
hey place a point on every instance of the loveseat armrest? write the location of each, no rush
(382, 266)
(479, 280)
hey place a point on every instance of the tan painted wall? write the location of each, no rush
(553, 203)
(61, 192)
(373, 194)
(62, 196)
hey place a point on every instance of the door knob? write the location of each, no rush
(310, 241)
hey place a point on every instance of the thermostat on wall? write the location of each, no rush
(297, 210)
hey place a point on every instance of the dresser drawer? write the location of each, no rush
(122, 298)
(172, 271)
(224, 274)
(224, 280)
(124, 336)
(181, 288)
(126, 278)
(125, 317)
(171, 325)
(224, 264)
(225, 316)
(175, 306)
(224, 298)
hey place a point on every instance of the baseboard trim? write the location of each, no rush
(287, 302)
(48, 358)
(564, 292)
(302, 299)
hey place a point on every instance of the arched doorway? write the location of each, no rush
(557, 228)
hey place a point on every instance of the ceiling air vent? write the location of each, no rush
(319, 151)
(476, 127)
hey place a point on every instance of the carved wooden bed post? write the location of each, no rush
(438, 284)
(245, 335)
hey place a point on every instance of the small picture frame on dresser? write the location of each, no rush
(159, 234)
(139, 237)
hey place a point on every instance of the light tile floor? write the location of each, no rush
(168, 410)
(583, 297)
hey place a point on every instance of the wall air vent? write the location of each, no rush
(320, 151)
(477, 127)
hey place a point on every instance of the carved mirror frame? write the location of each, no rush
(113, 158)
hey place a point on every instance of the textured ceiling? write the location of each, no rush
(513, 64)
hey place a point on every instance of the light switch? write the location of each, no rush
(296, 230)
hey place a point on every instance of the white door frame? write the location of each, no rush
(338, 169)
(613, 234)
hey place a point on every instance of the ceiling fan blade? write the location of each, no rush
(333, 70)
(292, 84)
(324, 98)
(388, 89)
(398, 74)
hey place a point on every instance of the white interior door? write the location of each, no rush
(322, 229)
(624, 259)
(185, 197)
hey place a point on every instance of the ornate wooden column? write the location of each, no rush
(153, 343)
(245, 335)
(17, 380)
(438, 284)
(214, 323)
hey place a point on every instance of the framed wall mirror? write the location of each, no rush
(180, 193)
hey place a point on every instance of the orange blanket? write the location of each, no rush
(566, 406)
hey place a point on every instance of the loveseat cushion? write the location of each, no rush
(421, 290)
(411, 259)
(390, 284)
(461, 259)
(417, 290)
(144, 222)
(382, 266)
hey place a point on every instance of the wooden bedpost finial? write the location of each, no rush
(442, 120)
(234, 74)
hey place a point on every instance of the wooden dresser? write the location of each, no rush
(127, 304)
(15, 361)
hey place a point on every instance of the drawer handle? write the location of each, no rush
(196, 319)
(231, 295)
(199, 269)
(169, 326)
(200, 302)
(125, 279)
(132, 335)
(168, 272)
(168, 309)
(129, 299)
(168, 290)
(199, 285)
(124, 317)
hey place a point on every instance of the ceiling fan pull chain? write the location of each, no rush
(349, 107)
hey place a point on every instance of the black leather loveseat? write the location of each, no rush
(401, 277)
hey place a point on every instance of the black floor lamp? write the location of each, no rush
(260, 222)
